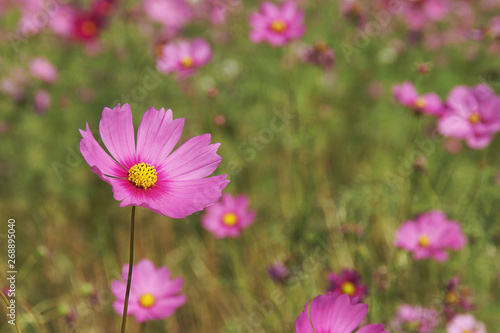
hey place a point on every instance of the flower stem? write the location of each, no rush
(130, 266)
(8, 304)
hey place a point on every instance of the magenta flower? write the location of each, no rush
(430, 235)
(228, 217)
(407, 95)
(334, 313)
(184, 57)
(150, 175)
(347, 282)
(418, 13)
(465, 323)
(415, 319)
(472, 114)
(43, 70)
(153, 295)
(277, 25)
(172, 14)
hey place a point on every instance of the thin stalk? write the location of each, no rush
(130, 265)
(8, 304)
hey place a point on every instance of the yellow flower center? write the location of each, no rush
(142, 175)
(278, 26)
(423, 241)
(187, 62)
(467, 331)
(348, 288)
(230, 219)
(89, 28)
(420, 103)
(474, 118)
(147, 300)
(451, 298)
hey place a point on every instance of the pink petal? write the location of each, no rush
(302, 324)
(373, 328)
(454, 126)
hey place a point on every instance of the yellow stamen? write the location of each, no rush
(147, 300)
(142, 175)
(187, 62)
(278, 26)
(451, 297)
(423, 241)
(348, 288)
(230, 219)
(420, 103)
(89, 28)
(474, 118)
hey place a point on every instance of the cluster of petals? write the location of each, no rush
(430, 235)
(347, 282)
(415, 319)
(465, 323)
(428, 103)
(417, 14)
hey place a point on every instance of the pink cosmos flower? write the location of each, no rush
(150, 175)
(43, 70)
(334, 313)
(347, 282)
(153, 295)
(415, 319)
(429, 236)
(228, 217)
(172, 14)
(62, 21)
(184, 57)
(407, 95)
(465, 323)
(277, 25)
(472, 114)
(417, 13)
(42, 101)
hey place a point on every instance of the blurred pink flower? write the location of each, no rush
(353, 11)
(407, 95)
(184, 57)
(277, 25)
(278, 271)
(465, 323)
(228, 217)
(418, 13)
(172, 14)
(43, 70)
(334, 313)
(415, 319)
(347, 282)
(429, 236)
(63, 20)
(151, 176)
(42, 101)
(472, 114)
(153, 295)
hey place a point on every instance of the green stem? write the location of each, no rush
(8, 304)
(130, 265)
(142, 329)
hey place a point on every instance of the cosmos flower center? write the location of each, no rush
(474, 118)
(230, 219)
(278, 26)
(420, 103)
(451, 298)
(423, 241)
(187, 62)
(467, 331)
(143, 175)
(147, 300)
(89, 28)
(348, 288)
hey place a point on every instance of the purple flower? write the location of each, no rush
(347, 282)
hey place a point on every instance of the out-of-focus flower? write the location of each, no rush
(228, 217)
(353, 11)
(415, 319)
(184, 57)
(417, 13)
(277, 25)
(172, 14)
(86, 27)
(456, 299)
(407, 95)
(42, 101)
(334, 313)
(320, 54)
(43, 70)
(465, 323)
(429, 236)
(153, 295)
(347, 282)
(278, 271)
(452, 146)
(63, 20)
(151, 176)
(472, 114)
